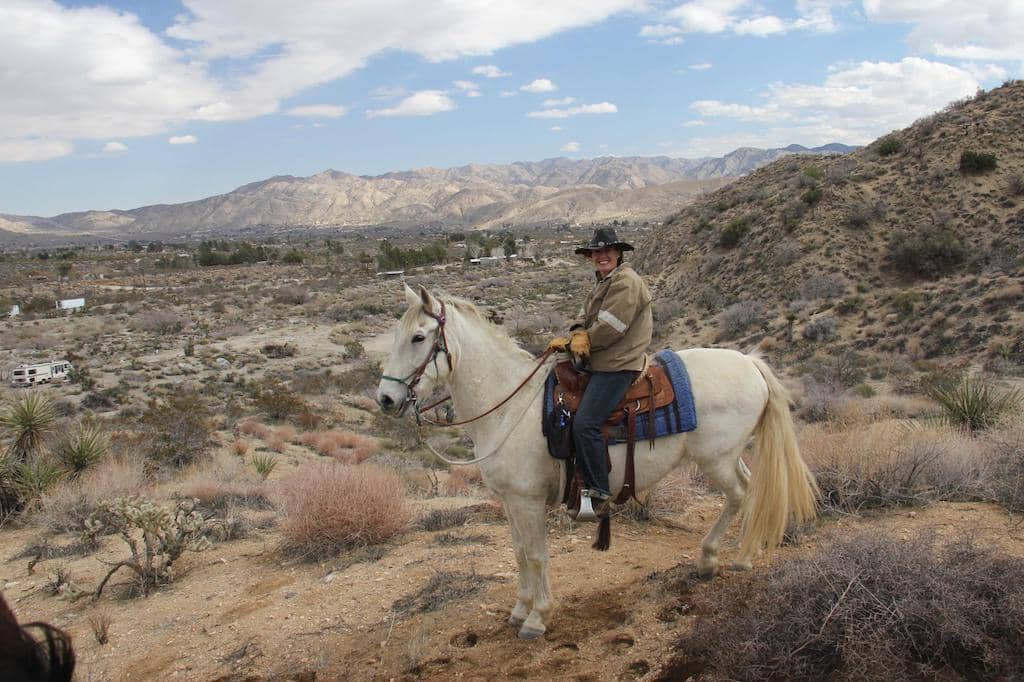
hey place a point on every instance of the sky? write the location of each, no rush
(122, 104)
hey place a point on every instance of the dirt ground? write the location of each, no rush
(238, 611)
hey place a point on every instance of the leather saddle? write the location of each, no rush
(651, 390)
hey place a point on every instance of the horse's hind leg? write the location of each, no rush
(730, 476)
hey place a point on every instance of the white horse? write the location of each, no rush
(445, 340)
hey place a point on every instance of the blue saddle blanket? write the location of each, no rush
(679, 416)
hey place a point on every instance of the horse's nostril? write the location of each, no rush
(386, 401)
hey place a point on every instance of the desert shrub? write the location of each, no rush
(973, 403)
(81, 448)
(264, 465)
(165, 536)
(277, 351)
(866, 607)
(27, 421)
(353, 350)
(710, 299)
(888, 464)
(821, 328)
(277, 400)
(65, 508)
(889, 145)
(363, 376)
(734, 231)
(926, 251)
(787, 252)
(739, 317)
(290, 295)
(176, 432)
(1007, 481)
(346, 446)
(974, 163)
(822, 286)
(813, 172)
(327, 508)
(1015, 185)
(31, 478)
(861, 214)
(292, 257)
(905, 302)
(462, 479)
(159, 322)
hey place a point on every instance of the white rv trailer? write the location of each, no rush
(40, 373)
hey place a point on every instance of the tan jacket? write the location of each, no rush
(617, 316)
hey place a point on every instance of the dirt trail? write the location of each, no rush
(239, 611)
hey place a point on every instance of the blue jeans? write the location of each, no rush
(603, 393)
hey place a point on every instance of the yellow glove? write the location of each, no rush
(558, 344)
(580, 343)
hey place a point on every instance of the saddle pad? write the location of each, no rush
(679, 416)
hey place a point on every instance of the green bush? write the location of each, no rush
(28, 420)
(734, 232)
(177, 431)
(812, 196)
(927, 251)
(974, 163)
(889, 145)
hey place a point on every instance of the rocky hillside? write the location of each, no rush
(913, 244)
(554, 190)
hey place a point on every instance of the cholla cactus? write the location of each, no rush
(164, 536)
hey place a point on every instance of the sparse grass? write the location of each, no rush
(327, 508)
(865, 607)
(886, 464)
(99, 623)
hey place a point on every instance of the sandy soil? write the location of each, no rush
(239, 611)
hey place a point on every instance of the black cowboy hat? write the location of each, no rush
(603, 236)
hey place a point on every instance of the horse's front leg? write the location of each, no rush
(524, 598)
(527, 517)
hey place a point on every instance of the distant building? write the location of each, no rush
(15, 311)
(40, 373)
(391, 274)
(71, 304)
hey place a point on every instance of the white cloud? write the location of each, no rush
(182, 139)
(990, 30)
(422, 103)
(508, 93)
(35, 149)
(854, 105)
(469, 87)
(556, 128)
(700, 66)
(664, 34)
(760, 26)
(571, 147)
(318, 111)
(695, 123)
(539, 85)
(95, 72)
(114, 147)
(389, 92)
(601, 108)
(558, 102)
(986, 72)
(488, 71)
(706, 16)
(745, 17)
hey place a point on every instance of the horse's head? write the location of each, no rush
(419, 357)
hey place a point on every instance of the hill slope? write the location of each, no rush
(892, 247)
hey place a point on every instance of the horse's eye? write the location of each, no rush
(418, 338)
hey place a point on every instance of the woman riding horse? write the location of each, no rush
(612, 335)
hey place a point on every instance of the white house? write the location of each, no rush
(71, 304)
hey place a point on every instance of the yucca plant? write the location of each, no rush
(973, 404)
(28, 420)
(264, 465)
(82, 448)
(35, 476)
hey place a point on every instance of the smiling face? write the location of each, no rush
(605, 259)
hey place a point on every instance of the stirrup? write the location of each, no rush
(586, 510)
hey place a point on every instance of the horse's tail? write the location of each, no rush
(782, 488)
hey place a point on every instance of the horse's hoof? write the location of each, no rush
(707, 573)
(516, 622)
(530, 632)
(742, 566)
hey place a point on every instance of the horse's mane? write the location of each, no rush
(497, 334)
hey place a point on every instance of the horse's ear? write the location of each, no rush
(411, 297)
(429, 302)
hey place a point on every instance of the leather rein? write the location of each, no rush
(441, 346)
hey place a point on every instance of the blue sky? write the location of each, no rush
(124, 104)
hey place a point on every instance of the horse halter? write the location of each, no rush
(440, 346)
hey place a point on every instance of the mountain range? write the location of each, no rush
(472, 196)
